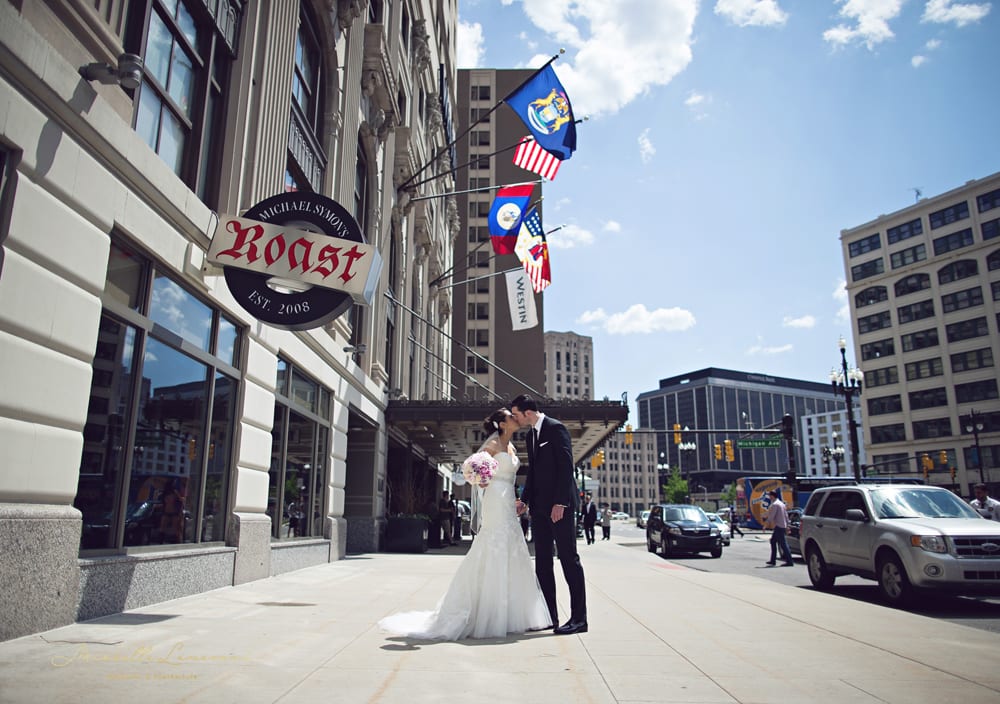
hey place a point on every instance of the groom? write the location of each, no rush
(550, 490)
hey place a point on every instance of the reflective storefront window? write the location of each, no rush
(158, 440)
(300, 446)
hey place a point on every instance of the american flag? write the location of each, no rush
(533, 251)
(529, 155)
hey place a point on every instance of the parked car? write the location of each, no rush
(640, 520)
(723, 527)
(681, 528)
(794, 527)
(909, 538)
(619, 516)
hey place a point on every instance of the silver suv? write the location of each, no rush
(907, 537)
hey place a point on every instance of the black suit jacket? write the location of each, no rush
(590, 515)
(550, 478)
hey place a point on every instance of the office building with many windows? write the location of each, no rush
(712, 406)
(569, 365)
(924, 291)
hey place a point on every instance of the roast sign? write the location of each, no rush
(296, 260)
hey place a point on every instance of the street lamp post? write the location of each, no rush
(661, 471)
(974, 425)
(835, 453)
(848, 382)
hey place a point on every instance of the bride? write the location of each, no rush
(494, 592)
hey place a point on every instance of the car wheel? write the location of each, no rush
(893, 583)
(716, 552)
(665, 546)
(819, 573)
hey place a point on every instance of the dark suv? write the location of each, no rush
(681, 528)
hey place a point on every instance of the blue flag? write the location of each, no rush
(544, 107)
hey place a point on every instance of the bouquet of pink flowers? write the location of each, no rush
(479, 468)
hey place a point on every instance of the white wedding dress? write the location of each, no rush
(494, 592)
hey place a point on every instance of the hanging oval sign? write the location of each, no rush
(296, 260)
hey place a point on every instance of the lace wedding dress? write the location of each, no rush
(494, 592)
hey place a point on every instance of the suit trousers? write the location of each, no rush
(544, 532)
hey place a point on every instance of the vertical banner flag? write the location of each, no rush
(523, 314)
(531, 157)
(533, 251)
(506, 214)
(542, 104)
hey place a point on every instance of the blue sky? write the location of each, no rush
(728, 144)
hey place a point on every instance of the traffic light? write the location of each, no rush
(718, 451)
(729, 451)
(788, 427)
(927, 464)
(952, 475)
(677, 433)
(628, 434)
(943, 457)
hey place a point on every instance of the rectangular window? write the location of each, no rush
(988, 201)
(884, 404)
(924, 369)
(969, 298)
(888, 433)
(480, 92)
(946, 216)
(985, 390)
(882, 377)
(865, 245)
(933, 428)
(867, 269)
(479, 311)
(904, 231)
(910, 255)
(956, 240)
(877, 321)
(920, 340)
(990, 229)
(967, 330)
(880, 348)
(915, 311)
(973, 359)
(929, 398)
(157, 444)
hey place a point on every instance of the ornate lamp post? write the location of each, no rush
(848, 382)
(974, 425)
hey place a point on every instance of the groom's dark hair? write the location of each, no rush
(525, 403)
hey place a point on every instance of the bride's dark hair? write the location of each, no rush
(492, 423)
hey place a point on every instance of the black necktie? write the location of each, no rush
(534, 439)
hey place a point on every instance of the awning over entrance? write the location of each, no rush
(450, 431)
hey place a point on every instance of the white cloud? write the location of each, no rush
(646, 149)
(638, 319)
(760, 349)
(918, 61)
(570, 236)
(871, 22)
(839, 295)
(612, 226)
(806, 321)
(697, 104)
(618, 49)
(745, 13)
(694, 99)
(470, 44)
(932, 44)
(962, 13)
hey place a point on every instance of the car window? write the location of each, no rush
(919, 502)
(838, 502)
(813, 504)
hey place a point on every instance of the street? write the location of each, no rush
(747, 555)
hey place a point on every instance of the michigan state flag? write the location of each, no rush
(542, 104)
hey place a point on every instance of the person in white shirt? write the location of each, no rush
(777, 521)
(987, 506)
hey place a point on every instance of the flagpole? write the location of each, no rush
(447, 272)
(482, 118)
(464, 347)
(477, 190)
(462, 166)
(480, 278)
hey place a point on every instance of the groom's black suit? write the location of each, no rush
(550, 482)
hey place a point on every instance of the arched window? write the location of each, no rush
(870, 296)
(912, 284)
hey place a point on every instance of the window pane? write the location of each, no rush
(186, 24)
(217, 478)
(181, 84)
(158, 46)
(180, 312)
(171, 147)
(304, 391)
(226, 347)
(105, 433)
(147, 119)
(165, 479)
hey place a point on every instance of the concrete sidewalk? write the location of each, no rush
(659, 632)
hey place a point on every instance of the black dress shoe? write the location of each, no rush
(571, 627)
